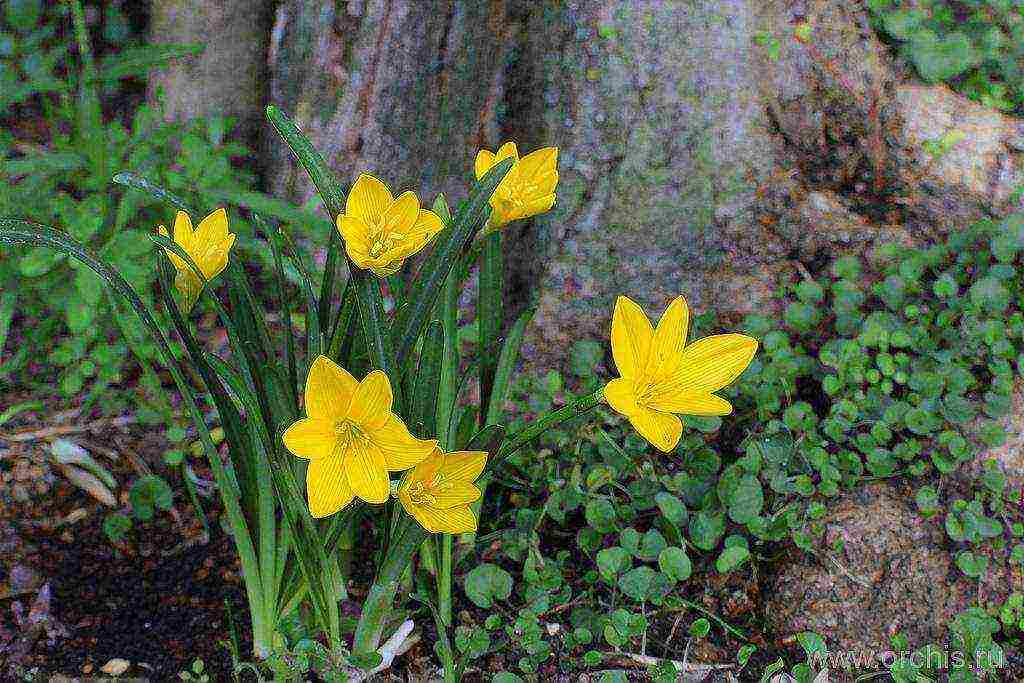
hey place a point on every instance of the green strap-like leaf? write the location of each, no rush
(285, 308)
(448, 246)
(506, 365)
(489, 315)
(330, 193)
(137, 182)
(424, 394)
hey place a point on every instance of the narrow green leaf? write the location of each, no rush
(489, 316)
(137, 182)
(314, 340)
(506, 365)
(448, 246)
(424, 393)
(330, 193)
(274, 238)
(319, 172)
(7, 302)
(375, 331)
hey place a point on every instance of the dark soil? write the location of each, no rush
(158, 599)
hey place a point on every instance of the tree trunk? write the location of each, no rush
(403, 89)
(226, 79)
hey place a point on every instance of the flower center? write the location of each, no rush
(347, 433)
(385, 241)
(425, 492)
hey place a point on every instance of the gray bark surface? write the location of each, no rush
(226, 79)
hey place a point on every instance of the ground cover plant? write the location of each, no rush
(974, 45)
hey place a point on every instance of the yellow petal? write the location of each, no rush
(215, 258)
(456, 520)
(213, 228)
(384, 267)
(632, 336)
(427, 224)
(400, 449)
(327, 486)
(329, 390)
(484, 161)
(539, 162)
(183, 230)
(507, 151)
(371, 403)
(669, 339)
(620, 394)
(402, 214)
(368, 199)
(546, 184)
(176, 261)
(710, 363)
(310, 438)
(356, 234)
(188, 285)
(705, 405)
(463, 465)
(364, 466)
(663, 430)
(457, 493)
(533, 208)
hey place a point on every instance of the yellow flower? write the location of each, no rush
(438, 491)
(351, 438)
(380, 231)
(528, 189)
(663, 375)
(208, 246)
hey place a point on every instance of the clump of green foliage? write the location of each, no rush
(56, 165)
(975, 45)
(902, 367)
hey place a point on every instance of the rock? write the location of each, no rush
(1010, 455)
(958, 161)
(895, 572)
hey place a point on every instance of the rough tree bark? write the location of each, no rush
(227, 77)
(405, 90)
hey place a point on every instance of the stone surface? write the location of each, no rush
(895, 572)
(975, 176)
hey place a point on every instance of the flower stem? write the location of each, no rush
(444, 581)
(408, 537)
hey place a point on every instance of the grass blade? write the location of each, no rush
(330, 193)
(506, 364)
(424, 393)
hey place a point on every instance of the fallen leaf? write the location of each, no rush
(115, 667)
(90, 484)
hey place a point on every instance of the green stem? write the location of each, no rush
(444, 581)
(409, 536)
